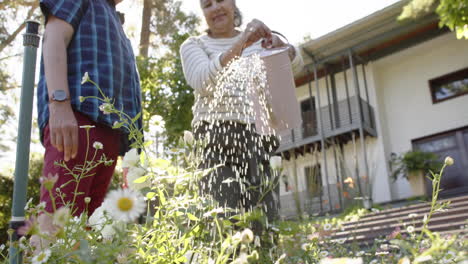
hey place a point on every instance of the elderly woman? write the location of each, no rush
(228, 125)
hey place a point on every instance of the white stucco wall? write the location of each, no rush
(377, 167)
(399, 93)
(404, 97)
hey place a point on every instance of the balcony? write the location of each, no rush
(339, 121)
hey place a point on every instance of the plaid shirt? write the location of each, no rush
(100, 47)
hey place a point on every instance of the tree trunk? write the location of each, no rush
(145, 28)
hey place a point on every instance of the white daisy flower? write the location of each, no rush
(341, 240)
(382, 253)
(323, 254)
(124, 205)
(135, 173)
(341, 261)
(85, 78)
(41, 257)
(247, 236)
(131, 158)
(404, 260)
(374, 261)
(410, 229)
(61, 216)
(98, 145)
(276, 162)
(106, 108)
(327, 227)
(412, 215)
(421, 259)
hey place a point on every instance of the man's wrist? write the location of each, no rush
(59, 96)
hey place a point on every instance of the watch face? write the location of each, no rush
(59, 95)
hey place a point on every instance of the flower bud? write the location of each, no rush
(275, 162)
(188, 137)
(449, 161)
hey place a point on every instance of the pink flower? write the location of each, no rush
(49, 181)
(46, 225)
(29, 228)
(395, 234)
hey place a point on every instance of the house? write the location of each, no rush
(371, 90)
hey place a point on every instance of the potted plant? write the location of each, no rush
(414, 166)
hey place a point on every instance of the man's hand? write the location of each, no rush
(62, 122)
(63, 129)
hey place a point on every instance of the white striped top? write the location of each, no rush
(201, 62)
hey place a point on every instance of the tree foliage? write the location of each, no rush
(164, 89)
(452, 13)
(6, 193)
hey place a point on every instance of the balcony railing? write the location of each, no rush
(337, 119)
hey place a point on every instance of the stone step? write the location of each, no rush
(405, 211)
(442, 229)
(447, 223)
(460, 208)
(390, 224)
(453, 200)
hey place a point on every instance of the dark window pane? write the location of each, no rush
(450, 85)
(451, 89)
(436, 145)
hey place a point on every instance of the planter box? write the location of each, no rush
(417, 183)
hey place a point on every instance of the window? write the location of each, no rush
(449, 86)
(454, 144)
(313, 176)
(309, 117)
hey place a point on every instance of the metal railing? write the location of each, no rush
(340, 119)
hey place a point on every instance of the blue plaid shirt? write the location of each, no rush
(100, 47)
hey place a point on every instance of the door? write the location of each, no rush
(454, 144)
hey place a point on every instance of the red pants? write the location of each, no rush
(94, 186)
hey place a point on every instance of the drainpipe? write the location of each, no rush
(360, 118)
(30, 43)
(322, 136)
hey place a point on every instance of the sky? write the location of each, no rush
(297, 18)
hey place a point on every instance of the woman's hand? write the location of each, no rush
(276, 42)
(255, 31)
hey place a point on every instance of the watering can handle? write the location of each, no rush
(273, 32)
(281, 35)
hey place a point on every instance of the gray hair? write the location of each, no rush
(237, 17)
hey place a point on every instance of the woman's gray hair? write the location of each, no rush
(237, 17)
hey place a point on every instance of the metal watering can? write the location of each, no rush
(281, 100)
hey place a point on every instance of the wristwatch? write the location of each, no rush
(59, 96)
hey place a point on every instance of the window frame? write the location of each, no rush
(437, 82)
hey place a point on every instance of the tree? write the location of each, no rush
(13, 13)
(6, 192)
(165, 92)
(452, 13)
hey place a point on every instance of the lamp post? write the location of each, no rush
(30, 43)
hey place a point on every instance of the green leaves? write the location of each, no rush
(452, 13)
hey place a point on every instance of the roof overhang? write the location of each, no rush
(369, 38)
